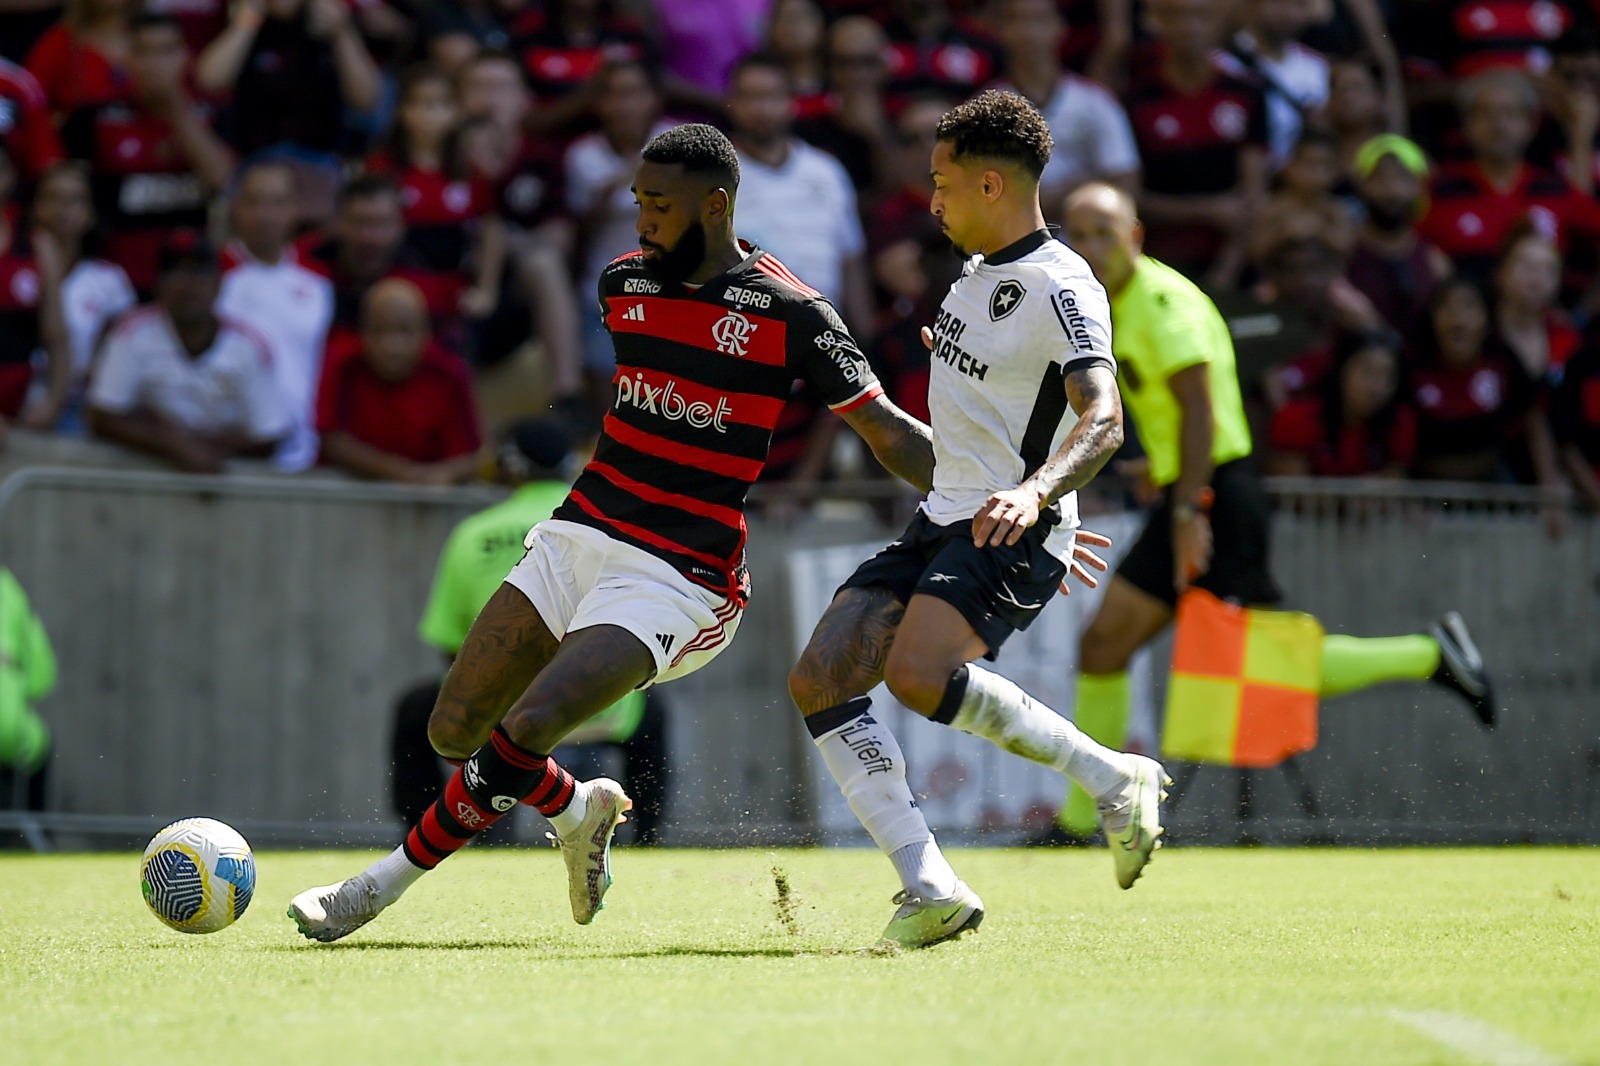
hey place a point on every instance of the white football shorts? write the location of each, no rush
(576, 577)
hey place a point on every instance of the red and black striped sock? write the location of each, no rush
(553, 794)
(478, 795)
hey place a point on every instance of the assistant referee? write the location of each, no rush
(1180, 384)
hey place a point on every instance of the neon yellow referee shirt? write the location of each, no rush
(1162, 323)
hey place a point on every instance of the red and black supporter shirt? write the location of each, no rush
(1469, 218)
(1301, 428)
(441, 211)
(142, 183)
(958, 60)
(441, 290)
(26, 128)
(1189, 144)
(19, 329)
(701, 381)
(531, 192)
(556, 63)
(1468, 410)
(1460, 38)
(1575, 411)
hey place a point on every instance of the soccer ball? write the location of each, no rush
(198, 875)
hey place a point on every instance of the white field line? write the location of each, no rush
(1475, 1039)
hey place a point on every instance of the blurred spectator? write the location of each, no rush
(1527, 280)
(821, 242)
(154, 162)
(452, 32)
(1471, 402)
(1355, 110)
(1097, 39)
(599, 176)
(1575, 418)
(1537, 336)
(1093, 141)
(450, 218)
(899, 356)
(1354, 425)
(94, 292)
(796, 34)
(1391, 265)
(1202, 137)
(930, 52)
(27, 675)
(30, 319)
(900, 227)
(27, 128)
(1302, 203)
(1284, 335)
(1477, 201)
(82, 61)
(852, 124)
(562, 45)
(176, 380)
(526, 174)
(294, 70)
(701, 40)
(1568, 140)
(265, 287)
(393, 404)
(1295, 77)
(368, 244)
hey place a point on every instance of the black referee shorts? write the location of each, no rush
(1241, 519)
(998, 590)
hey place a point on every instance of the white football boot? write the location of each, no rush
(588, 851)
(332, 912)
(1132, 819)
(921, 923)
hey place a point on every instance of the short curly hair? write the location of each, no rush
(998, 125)
(699, 149)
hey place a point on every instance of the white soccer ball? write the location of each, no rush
(198, 875)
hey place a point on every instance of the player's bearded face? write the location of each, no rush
(675, 264)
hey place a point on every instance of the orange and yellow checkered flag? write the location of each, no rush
(1243, 690)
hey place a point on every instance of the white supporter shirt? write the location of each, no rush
(803, 212)
(227, 387)
(1302, 73)
(93, 293)
(591, 164)
(1008, 331)
(291, 308)
(1093, 138)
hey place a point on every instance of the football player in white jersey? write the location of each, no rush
(1024, 334)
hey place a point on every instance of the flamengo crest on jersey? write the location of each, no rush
(1009, 331)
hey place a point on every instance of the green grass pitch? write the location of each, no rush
(1217, 956)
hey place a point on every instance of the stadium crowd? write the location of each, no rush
(337, 231)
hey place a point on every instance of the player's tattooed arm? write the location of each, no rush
(902, 444)
(1092, 392)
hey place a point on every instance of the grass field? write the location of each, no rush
(1226, 957)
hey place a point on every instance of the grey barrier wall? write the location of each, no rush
(233, 647)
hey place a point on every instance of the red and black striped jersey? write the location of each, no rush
(702, 376)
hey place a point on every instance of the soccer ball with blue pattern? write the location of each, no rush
(198, 875)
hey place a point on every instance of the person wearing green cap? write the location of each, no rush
(1178, 379)
(27, 675)
(1391, 265)
(534, 458)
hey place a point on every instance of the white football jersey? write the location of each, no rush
(1007, 333)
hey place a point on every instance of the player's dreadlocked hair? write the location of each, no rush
(998, 125)
(700, 149)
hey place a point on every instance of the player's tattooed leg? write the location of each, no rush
(504, 651)
(847, 652)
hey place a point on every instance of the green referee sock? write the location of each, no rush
(1105, 702)
(1353, 663)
